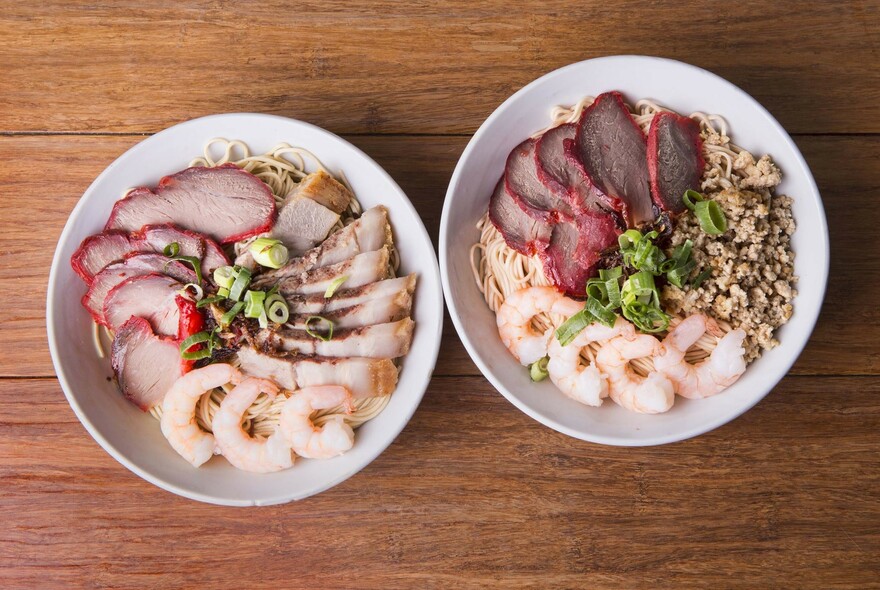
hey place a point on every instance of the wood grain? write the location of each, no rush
(390, 67)
(787, 495)
(847, 170)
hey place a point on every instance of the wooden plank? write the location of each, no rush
(392, 67)
(37, 206)
(786, 496)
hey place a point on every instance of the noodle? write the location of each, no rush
(499, 270)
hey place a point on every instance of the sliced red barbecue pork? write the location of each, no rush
(612, 150)
(675, 159)
(226, 203)
(575, 248)
(134, 265)
(145, 365)
(522, 182)
(96, 252)
(148, 296)
(524, 234)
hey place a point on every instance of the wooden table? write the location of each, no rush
(473, 493)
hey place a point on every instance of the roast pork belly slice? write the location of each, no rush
(226, 203)
(389, 340)
(135, 264)
(363, 269)
(363, 377)
(99, 250)
(369, 232)
(343, 298)
(613, 152)
(575, 249)
(324, 189)
(564, 176)
(148, 296)
(675, 159)
(303, 223)
(523, 183)
(145, 365)
(524, 234)
(373, 311)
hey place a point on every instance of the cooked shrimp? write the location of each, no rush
(585, 384)
(243, 451)
(179, 411)
(515, 315)
(648, 395)
(710, 376)
(307, 440)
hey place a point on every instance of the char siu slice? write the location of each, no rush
(96, 252)
(317, 304)
(675, 159)
(363, 269)
(155, 237)
(521, 232)
(145, 365)
(523, 183)
(369, 232)
(612, 150)
(136, 264)
(575, 249)
(226, 203)
(148, 296)
(561, 175)
(389, 341)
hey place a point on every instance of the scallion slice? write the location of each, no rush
(711, 217)
(253, 304)
(224, 277)
(316, 318)
(196, 338)
(242, 280)
(332, 287)
(230, 315)
(193, 261)
(278, 312)
(209, 300)
(569, 330)
(538, 369)
(701, 277)
(172, 249)
(199, 293)
(269, 252)
(603, 314)
(691, 198)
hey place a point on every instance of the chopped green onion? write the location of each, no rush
(711, 217)
(210, 300)
(691, 198)
(196, 355)
(278, 312)
(172, 249)
(538, 369)
(647, 318)
(199, 292)
(196, 338)
(603, 314)
(253, 304)
(569, 330)
(331, 288)
(230, 315)
(680, 266)
(192, 261)
(224, 276)
(224, 293)
(629, 239)
(269, 252)
(702, 277)
(325, 337)
(242, 280)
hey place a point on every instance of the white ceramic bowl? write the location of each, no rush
(132, 437)
(686, 89)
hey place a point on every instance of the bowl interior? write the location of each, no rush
(133, 437)
(686, 89)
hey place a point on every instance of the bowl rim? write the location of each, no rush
(94, 431)
(470, 345)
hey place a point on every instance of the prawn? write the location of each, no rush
(179, 411)
(307, 440)
(648, 395)
(515, 315)
(239, 448)
(585, 384)
(710, 376)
